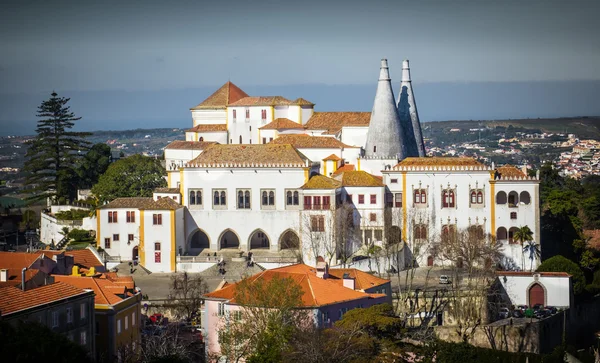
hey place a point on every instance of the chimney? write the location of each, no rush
(3, 275)
(23, 282)
(349, 281)
(322, 268)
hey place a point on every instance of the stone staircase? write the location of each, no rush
(234, 270)
(123, 270)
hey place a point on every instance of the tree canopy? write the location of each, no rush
(53, 153)
(93, 164)
(562, 264)
(134, 176)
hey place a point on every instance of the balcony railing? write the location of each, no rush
(317, 206)
(198, 258)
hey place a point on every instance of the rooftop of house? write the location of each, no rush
(304, 141)
(83, 258)
(530, 274)
(345, 167)
(108, 292)
(439, 161)
(359, 178)
(224, 96)
(282, 124)
(233, 155)
(167, 190)
(14, 300)
(145, 203)
(510, 171)
(321, 182)
(262, 101)
(334, 121)
(189, 145)
(208, 128)
(332, 157)
(302, 102)
(14, 276)
(316, 291)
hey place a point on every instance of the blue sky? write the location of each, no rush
(159, 49)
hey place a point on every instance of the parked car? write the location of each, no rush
(444, 279)
(522, 308)
(553, 309)
(537, 307)
(517, 313)
(542, 313)
(504, 313)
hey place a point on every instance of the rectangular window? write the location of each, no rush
(378, 234)
(83, 338)
(234, 115)
(69, 315)
(389, 200)
(112, 217)
(361, 199)
(115, 237)
(316, 202)
(398, 200)
(107, 243)
(130, 216)
(126, 322)
(270, 139)
(243, 198)
(307, 203)
(326, 202)
(394, 181)
(292, 197)
(373, 217)
(221, 311)
(264, 114)
(157, 219)
(157, 257)
(157, 246)
(264, 140)
(317, 223)
(130, 238)
(119, 326)
(373, 198)
(513, 215)
(247, 113)
(219, 199)
(55, 319)
(82, 310)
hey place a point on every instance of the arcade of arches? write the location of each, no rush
(229, 240)
(259, 239)
(199, 240)
(289, 240)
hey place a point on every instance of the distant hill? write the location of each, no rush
(583, 127)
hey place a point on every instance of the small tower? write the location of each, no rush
(385, 135)
(409, 117)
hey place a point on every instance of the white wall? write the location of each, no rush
(208, 117)
(157, 233)
(121, 228)
(354, 135)
(307, 112)
(557, 289)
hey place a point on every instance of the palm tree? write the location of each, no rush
(523, 234)
(534, 252)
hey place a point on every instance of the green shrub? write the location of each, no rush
(79, 235)
(562, 264)
(73, 214)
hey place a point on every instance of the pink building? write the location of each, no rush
(328, 294)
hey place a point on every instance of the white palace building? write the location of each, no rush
(271, 176)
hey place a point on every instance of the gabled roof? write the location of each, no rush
(510, 171)
(84, 258)
(334, 121)
(280, 124)
(189, 145)
(143, 203)
(14, 300)
(107, 292)
(253, 155)
(227, 94)
(321, 182)
(333, 157)
(344, 168)
(439, 161)
(167, 190)
(362, 280)
(304, 141)
(316, 291)
(262, 101)
(359, 178)
(302, 102)
(208, 128)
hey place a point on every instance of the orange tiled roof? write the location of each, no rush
(334, 121)
(510, 171)
(85, 258)
(247, 155)
(302, 102)
(321, 182)
(304, 141)
(282, 123)
(345, 167)
(439, 161)
(333, 157)
(262, 101)
(316, 291)
(145, 203)
(227, 94)
(13, 300)
(14, 276)
(167, 190)
(362, 279)
(208, 128)
(359, 178)
(106, 291)
(189, 145)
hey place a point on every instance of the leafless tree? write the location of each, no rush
(185, 295)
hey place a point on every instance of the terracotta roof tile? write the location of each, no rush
(510, 171)
(84, 258)
(302, 102)
(224, 96)
(334, 121)
(362, 279)
(281, 124)
(317, 291)
(167, 190)
(250, 155)
(208, 128)
(106, 294)
(345, 167)
(189, 145)
(321, 182)
(13, 300)
(333, 157)
(143, 203)
(304, 141)
(14, 276)
(262, 101)
(359, 179)
(439, 161)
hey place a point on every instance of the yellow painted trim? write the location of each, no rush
(404, 211)
(306, 175)
(272, 113)
(358, 164)
(98, 237)
(325, 167)
(335, 166)
(493, 207)
(259, 139)
(141, 248)
(300, 115)
(227, 118)
(181, 190)
(169, 180)
(173, 244)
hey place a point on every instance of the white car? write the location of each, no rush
(444, 279)
(504, 313)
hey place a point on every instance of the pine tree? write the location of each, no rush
(52, 155)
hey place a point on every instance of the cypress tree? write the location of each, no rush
(52, 154)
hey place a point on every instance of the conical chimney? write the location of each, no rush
(385, 135)
(409, 116)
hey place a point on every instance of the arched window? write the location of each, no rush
(265, 198)
(513, 199)
(240, 199)
(445, 198)
(420, 231)
(423, 197)
(192, 197)
(271, 198)
(216, 198)
(479, 198)
(198, 197)
(451, 199)
(417, 197)
(247, 200)
(501, 198)
(289, 199)
(473, 197)
(223, 198)
(296, 198)
(201, 138)
(501, 233)
(240, 139)
(420, 196)
(374, 148)
(525, 198)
